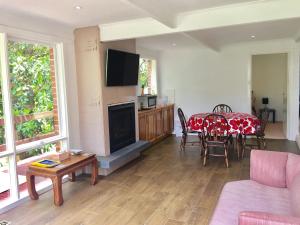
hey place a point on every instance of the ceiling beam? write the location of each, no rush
(158, 13)
(201, 41)
(237, 14)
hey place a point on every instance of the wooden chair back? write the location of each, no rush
(215, 127)
(222, 108)
(182, 120)
(264, 118)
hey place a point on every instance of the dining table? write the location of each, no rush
(239, 124)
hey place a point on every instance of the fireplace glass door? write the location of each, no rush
(121, 126)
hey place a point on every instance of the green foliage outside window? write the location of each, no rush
(37, 151)
(143, 72)
(31, 88)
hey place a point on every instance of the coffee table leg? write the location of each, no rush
(72, 177)
(57, 190)
(94, 172)
(31, 186)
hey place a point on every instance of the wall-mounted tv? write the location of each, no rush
(122, 68)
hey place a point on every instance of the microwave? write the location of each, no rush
(147, 101)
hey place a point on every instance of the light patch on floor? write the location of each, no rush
(274, 131)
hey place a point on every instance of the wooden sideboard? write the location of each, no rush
(156, 124)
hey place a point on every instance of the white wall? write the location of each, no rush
(202, 78)
(269, 79)
(30, 28)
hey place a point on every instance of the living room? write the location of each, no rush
(201, 55)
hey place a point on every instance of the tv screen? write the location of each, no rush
(122, 68)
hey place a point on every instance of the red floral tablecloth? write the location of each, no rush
(240, 123)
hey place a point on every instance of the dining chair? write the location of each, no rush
(216, 135)
(222, 108)
(186, 133)
(259, 133)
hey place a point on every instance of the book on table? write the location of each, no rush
(46, 163)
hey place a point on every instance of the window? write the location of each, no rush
(147, 76)
(32, 111)
(33, 91)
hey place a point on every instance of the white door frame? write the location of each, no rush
(293, 95)
(292, 129)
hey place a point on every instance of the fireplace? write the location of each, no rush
(121, 126)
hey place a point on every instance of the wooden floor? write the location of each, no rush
(164, 187)
(275, 131)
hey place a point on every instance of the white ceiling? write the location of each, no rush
(96, 12)
(93, 12)
(209, 23)
(179, 6)
(219, 37)
(242, 33)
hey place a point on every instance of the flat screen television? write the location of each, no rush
(122, 68)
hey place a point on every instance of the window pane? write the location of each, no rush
(34, 130)
(33, 90)
(24, 159)
(147, 76)
(5, 181)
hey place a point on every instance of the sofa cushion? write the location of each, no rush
(295, 195)
(249, 195)
(292, 168)
(271, 174)
(252, 217)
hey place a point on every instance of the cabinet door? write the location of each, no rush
(165, 120)
(142, 127)
(159, 123)
(151, 126)
(171, 119)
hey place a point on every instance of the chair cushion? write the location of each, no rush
(268, 167)
(292, 168)
(295, 195)
(248, 195)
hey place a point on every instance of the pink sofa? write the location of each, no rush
(270, 197)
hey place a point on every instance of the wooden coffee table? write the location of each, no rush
(68, 166)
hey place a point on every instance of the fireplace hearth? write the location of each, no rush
(121, 126)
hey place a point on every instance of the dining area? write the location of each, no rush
(223, 133)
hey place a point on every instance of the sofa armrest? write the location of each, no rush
(268, 167)
(263, 218)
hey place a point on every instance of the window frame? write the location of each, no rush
(153, 71)
(10, 141)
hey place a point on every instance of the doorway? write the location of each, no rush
(269, 90)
